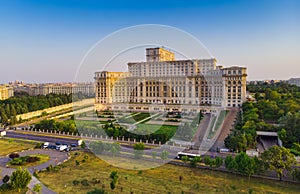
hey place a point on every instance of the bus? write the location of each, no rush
(190, 155)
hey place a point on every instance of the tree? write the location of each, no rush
(97, 147)
(138, 150)
(213, 162)
(115, 148)
(185, 159)
(195, 160)
(230, 163)
(154, 153)
(218, 162)
(20, 179)
(282, 134)
(164, 155)
(37, 188)
(114, 176)
(244, 164)
(207, 160)
(236, 142)
(291, 122)
(83, 145)
(278, 159)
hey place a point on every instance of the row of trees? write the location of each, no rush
(99, 147)
(52, 125)
(20, 104)
(276, 109)
(278, 159)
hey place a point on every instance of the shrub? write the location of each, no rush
(49, 168)
(5, 187)
(76, 182)
(16, 161)
(112, 185)
(37, 188)
(32, 159)
(14, 155)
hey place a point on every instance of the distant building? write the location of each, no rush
(6, 92)
(172, 85)
(294, 81)
(56, 88)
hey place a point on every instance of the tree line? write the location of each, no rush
(22, 103)
(67, 126)
(278, 159)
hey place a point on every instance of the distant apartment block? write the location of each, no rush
(165, 84)
(6, 92)
(56, 88)
(294, 81)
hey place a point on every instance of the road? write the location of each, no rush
(50, 139)
(126, 146)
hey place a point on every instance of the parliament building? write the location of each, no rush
(165, 84)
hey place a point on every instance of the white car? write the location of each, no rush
(62, 147)
(45, 145)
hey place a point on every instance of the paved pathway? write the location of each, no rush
(56, 157)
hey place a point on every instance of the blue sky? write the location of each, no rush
(45, 41)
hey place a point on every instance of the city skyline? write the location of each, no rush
(46, 41)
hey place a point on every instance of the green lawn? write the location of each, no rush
(217, 122)
(8, 146)
(157, 129)
(83, 122)
(163, 179)
(221, 118)
(211, 132)
(134, 118)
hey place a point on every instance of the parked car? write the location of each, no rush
(58, 143)
(73, 145)
(45, 145)
(63, 148)
(52, 147)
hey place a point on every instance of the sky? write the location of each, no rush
(47, 41)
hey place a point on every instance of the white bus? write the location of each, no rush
(190, 155)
